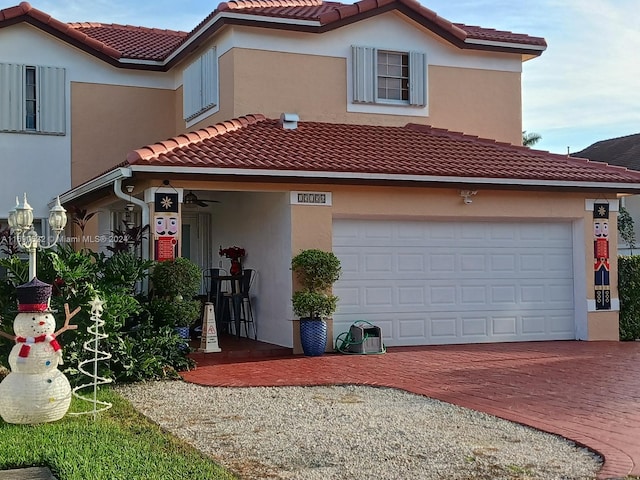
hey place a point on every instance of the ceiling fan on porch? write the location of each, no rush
(190, 198)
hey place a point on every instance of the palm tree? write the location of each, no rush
(530, 139)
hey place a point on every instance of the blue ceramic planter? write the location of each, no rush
(313, 336)
(183, 332)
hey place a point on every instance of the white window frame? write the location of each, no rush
(200, 85)
(364, 61)
(383, 77)
(50, 109)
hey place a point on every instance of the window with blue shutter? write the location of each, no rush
(200, 85)
(32, 99)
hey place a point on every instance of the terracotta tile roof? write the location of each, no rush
(110, 41)
(295, 9)
(107, 40)
(254, 142)
(327, 13)
(133, 42)
(25, 12)
(490, 34)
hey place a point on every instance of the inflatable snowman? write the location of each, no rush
(35, 391)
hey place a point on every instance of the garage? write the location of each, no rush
(441, 282)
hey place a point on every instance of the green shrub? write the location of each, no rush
(174, 313)
(307, 304)
(175, 278)
(629, 294)
(626, 228)
(140, 349)
(124, 269)
(146, 351)
(317, 271)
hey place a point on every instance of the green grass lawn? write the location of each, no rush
(120, 444)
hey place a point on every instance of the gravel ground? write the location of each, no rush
(353, 432)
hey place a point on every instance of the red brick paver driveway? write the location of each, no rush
(586, 391)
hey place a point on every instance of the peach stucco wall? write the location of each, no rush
(479, 102)
(603, 325)
(108, 121)
(306, 234)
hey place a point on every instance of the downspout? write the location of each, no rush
(117, 189)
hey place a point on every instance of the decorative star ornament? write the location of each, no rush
(96, 306)
(166, 202)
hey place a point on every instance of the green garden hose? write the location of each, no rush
(345, 340)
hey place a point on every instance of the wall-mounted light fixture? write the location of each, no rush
(129, 207)
(466, 196)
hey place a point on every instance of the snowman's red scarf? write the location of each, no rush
(28, 341)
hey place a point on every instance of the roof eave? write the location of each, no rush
(90, 186)
(106, 54)
(620, 187)
(227, 17)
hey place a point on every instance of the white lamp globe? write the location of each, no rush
(12, 216)
(57, 217)
(24, 215)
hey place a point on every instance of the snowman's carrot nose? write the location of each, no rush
(41, 323)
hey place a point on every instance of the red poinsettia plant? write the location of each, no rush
(234, 253)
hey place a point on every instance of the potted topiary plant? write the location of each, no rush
(316, 271)
(176, 283)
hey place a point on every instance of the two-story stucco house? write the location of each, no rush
(378, 130)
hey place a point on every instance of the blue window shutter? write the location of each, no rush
(51, 100)
(191, 95)
(364, 74)
(209, 79)
(417, 78)
(11, 97)
(200, 85)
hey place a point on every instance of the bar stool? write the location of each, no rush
(246, 317)
(216, 294)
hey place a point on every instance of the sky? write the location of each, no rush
(584, 88)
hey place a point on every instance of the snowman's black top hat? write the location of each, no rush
(33, 296)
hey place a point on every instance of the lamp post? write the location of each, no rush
(21, 223)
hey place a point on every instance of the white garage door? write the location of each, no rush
(456, 282)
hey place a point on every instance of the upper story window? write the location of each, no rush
(385, 76)
(393, 76)
(200, 85)
(32, 99)
(31, 115)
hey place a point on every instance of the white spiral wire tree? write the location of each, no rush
(98, 355)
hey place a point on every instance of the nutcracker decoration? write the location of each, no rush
(601, 256)
(167, 226)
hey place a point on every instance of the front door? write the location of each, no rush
(196, 238)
